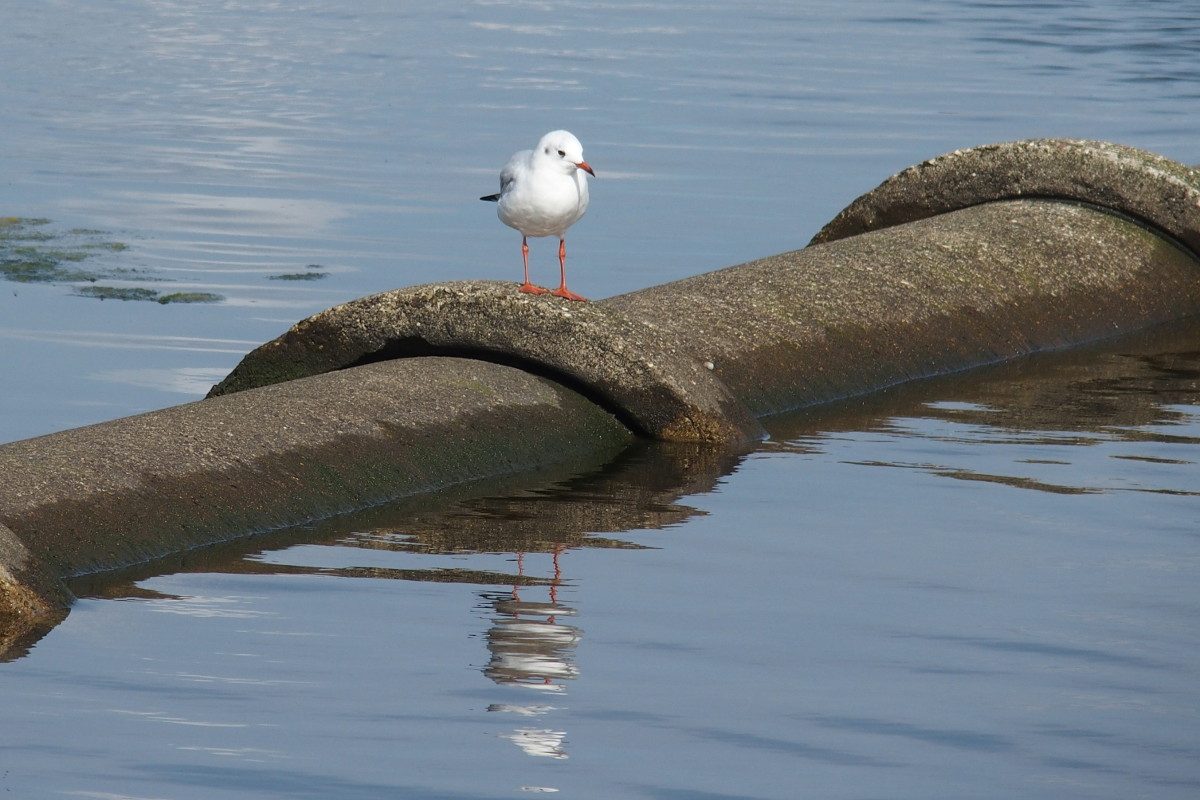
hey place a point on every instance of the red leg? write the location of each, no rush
(527, 287)
(562, 290)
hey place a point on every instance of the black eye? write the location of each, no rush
(562, 153)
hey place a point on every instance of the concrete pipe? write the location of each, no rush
(971, 258)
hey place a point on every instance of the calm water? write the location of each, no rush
(978, 587)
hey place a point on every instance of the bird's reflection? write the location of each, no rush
(532, 647)
(529, 643)
(539, 741)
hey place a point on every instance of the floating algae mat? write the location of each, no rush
(311, 275)
(33, 252)
(138, 293)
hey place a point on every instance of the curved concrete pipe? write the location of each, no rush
(970, 258)
(973, 257)
(127, 491)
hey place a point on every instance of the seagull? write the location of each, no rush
(542, 193)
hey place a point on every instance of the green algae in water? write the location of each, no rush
(29, 265)
(112, 247)
(23, 229)
(139, 293)
(32, 253)
(190, 297)
(114, 293)
(301, 276)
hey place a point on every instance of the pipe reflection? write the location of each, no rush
(550, 512)
(1033, 413)
(1114, 387)
(1139, 388)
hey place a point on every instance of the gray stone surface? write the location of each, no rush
(654, 383)
(942, 294)
(1155, 190)
(968, 259)
(127, 491)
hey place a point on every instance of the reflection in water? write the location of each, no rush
(539, 741)
(532, 649)
(1033, 413)
(529, 646)
(514, 542)
(1129, 398)
(529, 642)
(639, 489)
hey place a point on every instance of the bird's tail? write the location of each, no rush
(491, 198)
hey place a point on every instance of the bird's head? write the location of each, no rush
(563, 148)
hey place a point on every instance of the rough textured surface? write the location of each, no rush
(1155, 190)
(653, 383)
(946, 293)
(134, 489)
(938, 270)
(990, 281)
(33, 599)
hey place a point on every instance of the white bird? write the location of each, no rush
(542, 193)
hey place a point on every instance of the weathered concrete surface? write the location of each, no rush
(1162, 193)
(699, 359)
(651, 382)
(969, 259)
(27, 587)
(953, 291)
(964, 260)
(130, 490)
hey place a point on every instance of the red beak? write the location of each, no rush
(583, 165)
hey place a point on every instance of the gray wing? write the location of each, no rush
(508, 175)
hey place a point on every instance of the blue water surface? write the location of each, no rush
(976, 587)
